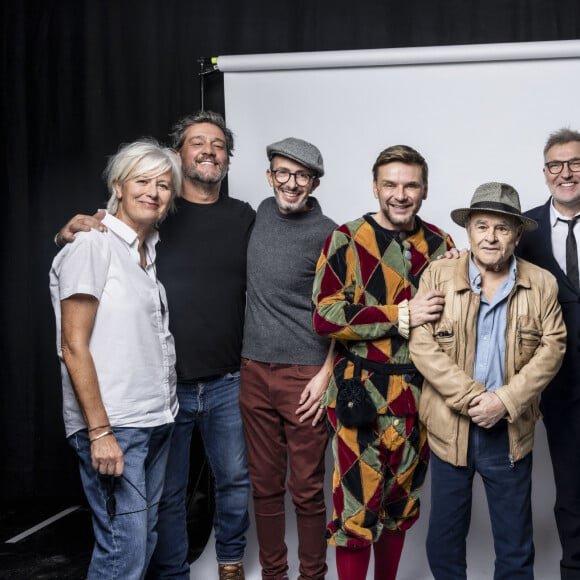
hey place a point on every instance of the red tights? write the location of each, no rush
(353, 564)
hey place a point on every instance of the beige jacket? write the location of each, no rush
(444, 353)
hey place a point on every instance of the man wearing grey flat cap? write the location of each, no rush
(500, 340)
(285, 365)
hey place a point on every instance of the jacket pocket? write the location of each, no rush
(524, 427)
(445, 336)
(528, 339)
(436, 416)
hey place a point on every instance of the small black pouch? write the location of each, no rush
(354, 406)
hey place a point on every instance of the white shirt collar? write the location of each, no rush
(129, 236)
(556, 217)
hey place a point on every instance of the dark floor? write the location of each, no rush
(58, 551)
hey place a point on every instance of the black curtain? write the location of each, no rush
(79, 77)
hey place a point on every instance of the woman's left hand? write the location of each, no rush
(107, 457)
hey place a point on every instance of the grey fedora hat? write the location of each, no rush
(494, 197)
(298, 150)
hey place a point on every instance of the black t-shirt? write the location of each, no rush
(201, 260)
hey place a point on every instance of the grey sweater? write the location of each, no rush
(282, 256)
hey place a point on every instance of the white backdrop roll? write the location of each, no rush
(476, 112)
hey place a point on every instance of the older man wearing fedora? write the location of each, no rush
(498, 343)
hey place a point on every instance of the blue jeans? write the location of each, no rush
(214, 407)
(508, 490)
(124, 509)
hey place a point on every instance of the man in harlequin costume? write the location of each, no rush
(365, 297)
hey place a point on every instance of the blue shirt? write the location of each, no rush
(489, 363)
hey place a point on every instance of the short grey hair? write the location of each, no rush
(142, 157)
(561, 137)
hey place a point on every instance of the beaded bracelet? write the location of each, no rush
(101, 435)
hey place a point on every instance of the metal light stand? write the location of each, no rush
(207, 66)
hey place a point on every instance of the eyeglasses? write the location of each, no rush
(282, 176)
(556, 167)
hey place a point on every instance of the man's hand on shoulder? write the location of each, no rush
(80, 223)
(452, 254)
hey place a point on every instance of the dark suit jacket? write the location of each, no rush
(536, 247)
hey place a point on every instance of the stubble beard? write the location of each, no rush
(399, 222)
(297, 206)
(194, 174)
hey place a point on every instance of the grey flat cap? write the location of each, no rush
(494, 197)
(298, 150)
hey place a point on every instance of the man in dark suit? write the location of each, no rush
(553, 246)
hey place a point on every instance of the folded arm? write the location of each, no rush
(528, 383)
